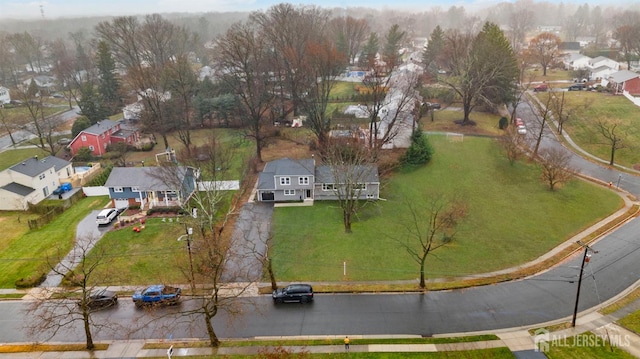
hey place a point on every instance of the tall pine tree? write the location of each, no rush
(108, 86)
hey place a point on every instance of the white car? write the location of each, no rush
(522, 130)
(106, 216)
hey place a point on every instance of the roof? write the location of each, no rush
(101, 127)
(33, 166)
(145, 178)
(365, 174)
(17, 188)
(622, 76)
(600, 58)
(570, 57)
(284, 167)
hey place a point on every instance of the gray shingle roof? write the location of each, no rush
(33, 166)
(17, 188)
(289, 167)
(101, 127)
(622, 76)
(363, 174)
(145, 178)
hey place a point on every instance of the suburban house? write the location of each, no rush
(43, 82)
(604, 61)
(575, 61)
(102, 134)
(601, 72)
(624, 81)
(31, 181)
(149, 187)
(287, 180)
(5, 96)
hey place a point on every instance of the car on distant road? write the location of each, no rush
(576, 87)
(106, 216)
(64, 141)
(433, 105)
(541, 88)
(101, 299)
(302, 293)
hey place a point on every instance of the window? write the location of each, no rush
(371, 196)
(102, 135)
(117, 189)
(91, 148)
(42, 176)
(135, 189)
(45, 191)
(289, 192)
(83, 138)
(360, 186)
(303, 180)
(285, 181)
(328, 187)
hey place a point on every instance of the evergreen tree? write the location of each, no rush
(91, 104)
(497, 59)
(392, 46)
(109, 86)
(369, 51)
(433, 49)
(420, 151)
(79, 124)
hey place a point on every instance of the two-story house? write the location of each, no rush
(31, 181)
(576, 61)
(287, 180)
(149, 187)
(102, 134)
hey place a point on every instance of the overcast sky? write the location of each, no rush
(30, 9)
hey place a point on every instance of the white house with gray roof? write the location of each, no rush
(287, 180)
(31, 181)
(5, 95)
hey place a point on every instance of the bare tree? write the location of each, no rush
(39, 124)
(7, 126)
(347, 168)
(349, 34)
(555, 166)
(62, 308)
(542, 116)
(520, 22)
(213, 252)
(545, 50)
(513, 143)
(430, 227)
(245, 60)
(614, 134)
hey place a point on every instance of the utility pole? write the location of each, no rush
(585, 258)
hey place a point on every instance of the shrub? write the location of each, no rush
(503, 123)
(32, 281)
(84, 154)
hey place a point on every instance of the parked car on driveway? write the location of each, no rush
(576, 87)
(106, 216)
(302, 293)
(101, 299)
(157, 294)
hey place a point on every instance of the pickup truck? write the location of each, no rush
(157, 294)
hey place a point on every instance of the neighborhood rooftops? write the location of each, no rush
(145, 178)
(32, 166)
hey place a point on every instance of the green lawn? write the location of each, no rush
(443, 120)
(496, 353)
(584, 346)
(151, 256)
(593, 106)
(631, 321)
(24, 253)
(513, 218)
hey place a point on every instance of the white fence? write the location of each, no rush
(634, 100)
(95, 191)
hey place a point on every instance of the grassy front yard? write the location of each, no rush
(24, 253)
(513, 218)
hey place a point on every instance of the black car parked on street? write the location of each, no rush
(302, 293)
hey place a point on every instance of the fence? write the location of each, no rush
(634, 100)
(50, 212)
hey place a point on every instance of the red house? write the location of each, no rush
(625, 80)
(102, 134)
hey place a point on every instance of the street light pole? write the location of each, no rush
(584, 259)
(188, 234)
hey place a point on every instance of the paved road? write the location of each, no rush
(23, 135)
(545, 297)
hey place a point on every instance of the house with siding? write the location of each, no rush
(625, 81)
(32, 180)
(287, 180)
(102, 134)
(149, 187)
(576, 61)
(5, 96)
